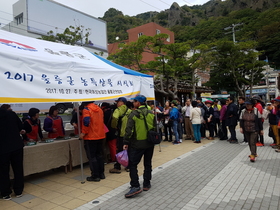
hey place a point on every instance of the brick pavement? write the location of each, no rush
(217, 176)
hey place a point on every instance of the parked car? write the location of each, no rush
(62, 107)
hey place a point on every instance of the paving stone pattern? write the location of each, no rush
(216, 176)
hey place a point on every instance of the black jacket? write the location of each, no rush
(208, 113)
(231, 115)
(241, 107)
(10, 127)
(107, 121)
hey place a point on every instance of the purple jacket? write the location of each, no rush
(223, 112)
(48, 125)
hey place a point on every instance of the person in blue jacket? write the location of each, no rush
(175, 117)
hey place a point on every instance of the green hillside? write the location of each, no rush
(259, 21)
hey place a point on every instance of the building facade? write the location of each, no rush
(149, 29)
(267, 88)
(37, 18)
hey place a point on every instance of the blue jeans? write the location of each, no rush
(175, 130)
(196, 131)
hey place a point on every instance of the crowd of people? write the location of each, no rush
(220, 118)
(122, 126)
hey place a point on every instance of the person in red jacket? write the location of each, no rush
(93, 133)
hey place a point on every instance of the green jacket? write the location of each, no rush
(136, 132)
(116, 123)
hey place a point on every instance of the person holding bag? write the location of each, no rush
(136, 136)
(119, 121)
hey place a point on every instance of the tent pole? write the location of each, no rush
(81, 142)
(155, 107)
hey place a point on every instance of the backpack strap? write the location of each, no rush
(119, 125)
(146, 125)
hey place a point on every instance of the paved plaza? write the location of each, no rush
(217, 176)
(211, 175)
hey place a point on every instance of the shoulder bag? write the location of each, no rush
(153, 136)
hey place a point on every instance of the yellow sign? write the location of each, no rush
(205, 94)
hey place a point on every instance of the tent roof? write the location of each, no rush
(126, 70)
(35, 70)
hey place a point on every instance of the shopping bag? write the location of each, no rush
(122, 158)
(106, 129)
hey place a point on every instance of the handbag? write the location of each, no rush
(152, 136)
(270, 132)
(160, 124)
(169, 123)
(220, 131)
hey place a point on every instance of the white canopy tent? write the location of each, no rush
(36, 71)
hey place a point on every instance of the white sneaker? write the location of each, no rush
(180, 140)
(244, 143)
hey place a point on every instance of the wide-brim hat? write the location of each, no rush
(208, 102)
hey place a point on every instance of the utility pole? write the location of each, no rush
(267, 80)
(232, 27)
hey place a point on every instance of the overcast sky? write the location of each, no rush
(97, 8)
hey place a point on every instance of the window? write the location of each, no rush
(140, 34)
(19, 19)
(168, 39)
(157, 31)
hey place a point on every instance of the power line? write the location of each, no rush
(188, 3)
(164, 2)
(151, 5)
(29, 20)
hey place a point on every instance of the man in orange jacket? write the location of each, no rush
(93, 133)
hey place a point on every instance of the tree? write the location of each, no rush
(234, 66)
(172, 64)
(72, 36)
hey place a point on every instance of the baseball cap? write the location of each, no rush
(123, 99)
(277, 99)
(139, 98)
(174, 102)
(250, 101)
